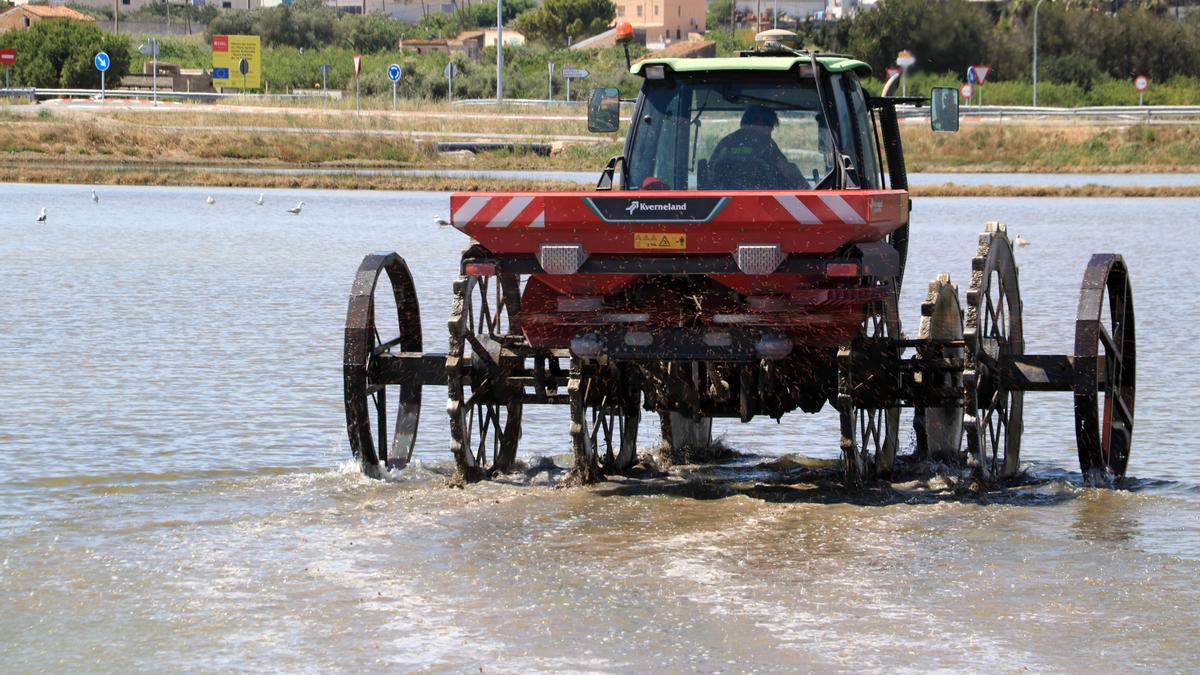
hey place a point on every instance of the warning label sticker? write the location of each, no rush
(660, 240)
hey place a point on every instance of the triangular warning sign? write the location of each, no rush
(665, 243)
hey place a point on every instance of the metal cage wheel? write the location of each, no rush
(939, 429)
(381, 416)
(485, 415)
(869, 432)
(605, 415)
(992, 414)
(1105, 360)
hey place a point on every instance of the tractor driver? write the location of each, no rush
(749, 159)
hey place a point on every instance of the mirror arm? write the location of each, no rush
(606, 176)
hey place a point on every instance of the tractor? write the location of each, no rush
(743, 257)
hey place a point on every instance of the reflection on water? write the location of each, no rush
(174, 483)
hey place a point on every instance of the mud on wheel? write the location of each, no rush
(484, 408)
(992, 414)
(870, 415)
(939, 428)
(1105, 361)
(605, 415)
(382, 410)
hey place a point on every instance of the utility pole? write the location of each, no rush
(116, 17)
(499, 50)
(1035, 35)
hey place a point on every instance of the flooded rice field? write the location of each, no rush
(175, 490)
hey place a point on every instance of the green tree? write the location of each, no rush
(945, 36)
(720, 13)
(370, 33)
(557, 20)
(59, 53)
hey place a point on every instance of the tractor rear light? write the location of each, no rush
(759, 258)
(655, 72)
(716, 339)
(587, 346)
(580, 304)
(841, 270)
(628, 317)
(561, 258)
(639, 339)
(773, 346)
(479, 269)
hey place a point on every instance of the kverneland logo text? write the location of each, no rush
(635, 205)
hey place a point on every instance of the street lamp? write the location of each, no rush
(1035, 13)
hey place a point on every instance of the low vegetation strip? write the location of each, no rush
(248, 139)
(435, 183)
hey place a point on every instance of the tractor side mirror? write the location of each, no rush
(943, 109)
(604, 110)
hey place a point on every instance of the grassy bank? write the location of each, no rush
(189, 177)
(198, 141)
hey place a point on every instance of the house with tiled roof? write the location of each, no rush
(24, 16)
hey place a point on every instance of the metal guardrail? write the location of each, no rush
(1113, 114)
(204, 96)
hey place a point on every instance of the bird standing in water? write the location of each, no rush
(211, 200)
(260, 199)
(42, 215)
(295, 210)
(95, 197)
(1022, 241)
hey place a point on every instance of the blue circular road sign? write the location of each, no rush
(102, 61)
(394, 72)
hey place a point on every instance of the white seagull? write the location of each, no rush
(211, 200)
(42, 215)
(440, 221)
(1022, 241)
(95, 197)
(295, 211)
(260, 199)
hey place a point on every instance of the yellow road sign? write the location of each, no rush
(227, 54)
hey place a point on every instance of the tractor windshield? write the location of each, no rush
(755, 133)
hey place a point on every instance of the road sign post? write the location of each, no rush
(550, 84)
(394, 72)
(450, 71)
(7, 58)
(1141, 83)
(980, 72)
(357, 69)
(573, 73)
(150, 48)
(905, 60)
(324, 76)
(102, 63)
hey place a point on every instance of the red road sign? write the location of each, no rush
(966, 91)
(8, 57)
(981, 73)
(1141, 83)
(357, 64)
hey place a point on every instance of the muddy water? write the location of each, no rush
(174, 490)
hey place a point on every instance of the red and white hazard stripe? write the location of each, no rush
(814, 209)
(500, 211)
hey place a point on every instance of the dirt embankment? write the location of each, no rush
(181, 148)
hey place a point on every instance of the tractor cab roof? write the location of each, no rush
(833, 63)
